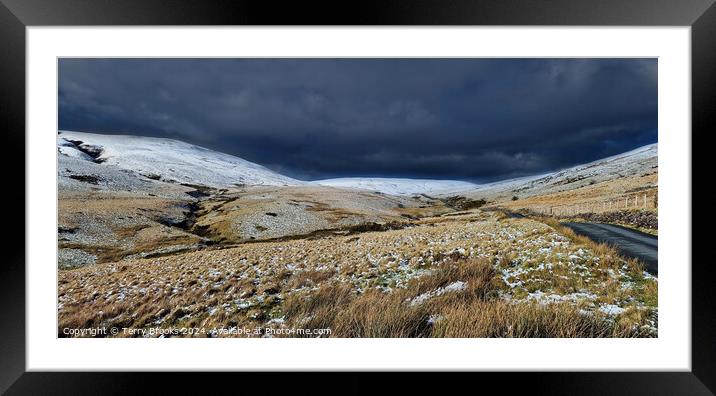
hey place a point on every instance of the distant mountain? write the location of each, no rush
(163, 159)
(399, 186)
(137, 163)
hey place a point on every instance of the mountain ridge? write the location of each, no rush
(168, 160)
(175, 161)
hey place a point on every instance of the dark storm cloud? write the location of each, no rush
(472, 119)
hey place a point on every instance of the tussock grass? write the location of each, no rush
(327, 298)
(478, 274)
(472, 312)
(376, 315)
(445, 277)
(309, 278)
(483, 319)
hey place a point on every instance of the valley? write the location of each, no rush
(160, 233)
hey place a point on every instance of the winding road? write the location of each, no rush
(629, 242)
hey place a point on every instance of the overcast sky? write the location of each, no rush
(468, 119)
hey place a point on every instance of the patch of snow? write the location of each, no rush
(280, 320)
(455, 286)
(544, 298)
(451, 288)
(68, 149)
(394, 186)
(611, 309)
(648, 276)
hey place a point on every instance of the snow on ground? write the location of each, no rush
(631, 163)
(456, 286)
(611, 309)
(167, 160)
(77, 171)
(399, 186)
(70, 150)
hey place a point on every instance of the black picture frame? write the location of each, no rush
(16, 15)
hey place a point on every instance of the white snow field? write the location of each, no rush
(399, 186)
(166, 160)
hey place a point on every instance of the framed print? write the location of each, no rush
(484, 190)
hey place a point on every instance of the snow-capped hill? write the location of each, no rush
(399, 186)
(636, 162)
(167, 160)
(129, 162)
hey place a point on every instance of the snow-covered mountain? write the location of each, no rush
(399, 186)
(137, 163)
(636, 162)
(163, 159)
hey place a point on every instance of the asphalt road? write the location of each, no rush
(629, 242)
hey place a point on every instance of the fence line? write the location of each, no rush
(641, 200)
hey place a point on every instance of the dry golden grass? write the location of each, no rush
(591, 197)
(376, 315)
(412, 282)
(472, 312)
(147, 246)
(483, 319)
